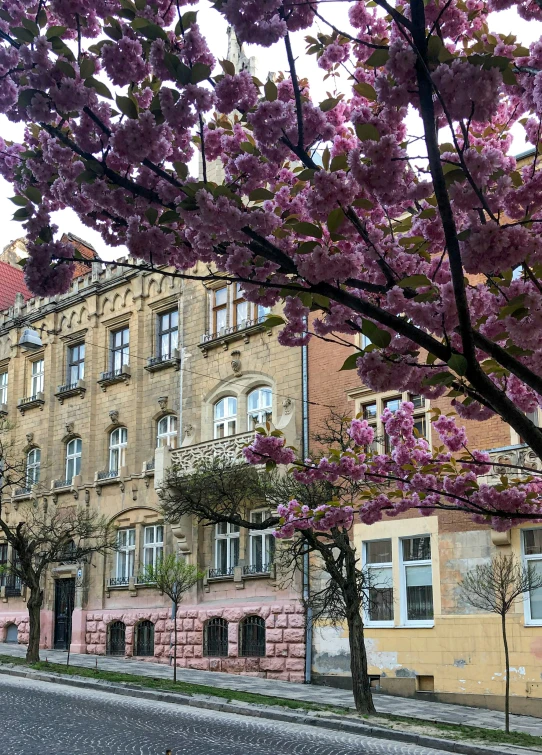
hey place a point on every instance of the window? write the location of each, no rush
(120, 349)
(240, 308)
(259, 407)
(144, 638)
(226, 549)
(167, 432)
(262, 544)
(168, 334)
(252, 637)
(125, 554)
(118, 440)
(215, 638)
(262, 312)
(532, 550)
(378, 562)
(220, 309)
(153, 549)
(76, 363)
(372, 409)
(226, 417)
(417, 579)
(3, 387)
(73, 458)
(33, 464)
(38, 370)
(116, 638)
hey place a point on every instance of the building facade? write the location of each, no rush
(137, 370)
(421, 638)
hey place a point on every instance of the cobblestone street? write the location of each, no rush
(84, 722)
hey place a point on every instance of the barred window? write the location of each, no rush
(252, 637)
(215, 638)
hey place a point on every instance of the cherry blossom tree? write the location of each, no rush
(427, 243)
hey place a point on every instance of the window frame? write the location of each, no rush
(245, 625)
(34, 465)
(251, 413)
(74, 457)
(526, 558)
(264, 535)
(123, 349)
(119, 447)
(78, 363)
(229, 537)
(383, 565)
(157, 546)
(226, 419)
(4, 562)
(380, 444)
(129, 550)
(167, 332)
(37, 379)
(4, 383)
(222, 626)
(217, 308)
(169, 433)
(405, 621)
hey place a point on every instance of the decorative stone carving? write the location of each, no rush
(162, 403)
(29, 438)
(69, 428)
(114, 416)
(87, 496)
(287, 406)
(232, 447)
(189, 431)
(236, 362)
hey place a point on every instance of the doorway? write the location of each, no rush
(64, 602)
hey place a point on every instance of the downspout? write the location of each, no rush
(306, 564)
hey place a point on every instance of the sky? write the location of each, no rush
(268, 59)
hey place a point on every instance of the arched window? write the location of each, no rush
(215, 638)
(73, 458)
(259, 407)
(144, 638)
(226, 417)
(252, 637)
(33, 465)
(167, 432)
(116, 638)
(118, 440)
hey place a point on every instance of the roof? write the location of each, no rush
(86, 250)
(11, 283)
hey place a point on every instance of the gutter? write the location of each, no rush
(306, 564)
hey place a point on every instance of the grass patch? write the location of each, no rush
(453, 731)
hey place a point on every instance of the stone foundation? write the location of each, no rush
(20, 621)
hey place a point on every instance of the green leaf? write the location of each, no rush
(127, 106)
(434, 47)
(509, 77)
(414, 281)
(441, 378)
(42, 18)
(366, 131)
(339, 162)
(19, 201)
(428, 213)
(326, 156)
(227, 67)
(169, 216)
(454, 175)
(365, 90)
(21, 34)
(365, 204)
(150, 30)
(33, 194)
(378, 58)
(151, 214)
(329, 104)
(67, 69)
(271, 321)
(189, 18)
(335, 219)
(87, 68)
(321, 301)
(181, 169)
(306, 247)
(350, 363)
(26, 96)
(308, 229)
(86, 177)
(271, 91)
(113, 32)
(99, 87)
(22, 214)
(306, 174)
(55, 31)
(177, 68)
(200, 72)
(458, 364)
(32, 26)
(380, 338)
(259, 195)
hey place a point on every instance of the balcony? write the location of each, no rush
(10, 585)
(186, 459)
(120, 375)
(119, 581)
(62, 483)
(22, 492)
(259, 570)
(519, 455)
(234, 333)
(71, 389)
(220, 573)
(161, 362)
(31, 402)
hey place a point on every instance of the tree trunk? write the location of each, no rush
(175, 645)
(507, 671)
(34, 604)
(361, 686)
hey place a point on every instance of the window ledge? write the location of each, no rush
(234, 333)
(154, 364)
(114, 376)
(31, 402)
(417, 625)
(380, 625)
(71, 389)
(20, 493)
(533, 623)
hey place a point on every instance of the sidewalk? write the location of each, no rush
(398, 706)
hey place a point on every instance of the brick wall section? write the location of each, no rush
(285, 649)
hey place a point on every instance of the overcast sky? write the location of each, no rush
(270, 59)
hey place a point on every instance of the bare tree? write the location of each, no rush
(494, 587)
(222, 490)
(174, 577)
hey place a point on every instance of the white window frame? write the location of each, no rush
(76, 362)
(266, 536)
(527, 598)
(156, 548)
(383, 565)
(73, 457)
(380, 399)
(4, 387)
(226, 419)
(119, 353)
(232, 534)
(34, 465)
(37, 373)
(118, 448)
(261, 410)
(405, 621)
(167, 337)
(167, 437)
(128, 549)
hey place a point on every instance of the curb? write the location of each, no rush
(346, 725)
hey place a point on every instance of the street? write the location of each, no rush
(49, 719)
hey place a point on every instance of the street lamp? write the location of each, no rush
(31, 339)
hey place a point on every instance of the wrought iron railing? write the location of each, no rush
(228, 572)
(208, 337)
(29, 399)
(22, 491)
(161, 359)
(12, 583)
(257, 568)
(106, 474)
(143, 579)
(119, 581)
(63, 483)
(149, 465)
(112, 374)
(67, 387)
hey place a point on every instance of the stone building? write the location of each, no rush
(137, 369)
(422, 639)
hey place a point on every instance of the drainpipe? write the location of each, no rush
(305, 451)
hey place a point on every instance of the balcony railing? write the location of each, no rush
(216, 573)
(119, 581)
(163, 360)
(107, 474)
(29, 402)
(71, 389)
(12, 584)
(63, 483)
(505, 460)
(232, 330)
(186, 459)
(22, 491)
(251, 569)
(119, 375)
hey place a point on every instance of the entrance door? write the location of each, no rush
(64, 600)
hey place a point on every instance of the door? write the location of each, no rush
(64, 600)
